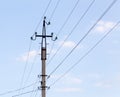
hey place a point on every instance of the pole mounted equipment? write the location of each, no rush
(43, 54)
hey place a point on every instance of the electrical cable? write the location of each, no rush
(8, 92)
(35, 94)
(33, 89)
(25, 93)
(31, 69)
(71, 30)
(32, 66)
(52, 12)
(54, 9)
(89, 51)
(109, 7)
(26, 63)
(76, 4)
(30, 43)
(43, 15)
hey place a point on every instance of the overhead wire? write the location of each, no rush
(74, 7)
(68, 17)
(34, 94)
(89, 51)
(12, 91)
(50, 20)
(39, 24)
(33, 89)
(32, 65)
(72, 29)
(30, 47)
(43, 15)
(74, 47)
(108, 8)
(31, 42)
(25, 93)
(54, 9)
(26, 63)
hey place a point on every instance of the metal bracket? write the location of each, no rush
(34, 36)
(48, 23)
(53, 39)
(43, 87)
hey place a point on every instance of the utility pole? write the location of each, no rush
(43, 55)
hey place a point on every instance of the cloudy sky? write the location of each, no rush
(86, 53)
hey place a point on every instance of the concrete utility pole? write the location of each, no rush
(43, 55)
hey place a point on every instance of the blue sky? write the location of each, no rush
(97, 75)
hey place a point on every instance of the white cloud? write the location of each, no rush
(76, 80)
(110, 83)
(94, 76)
(55, 76)
(28, 56)
(103, 26)
(69, 90)
(69, 79)
(103, 85)
(51, 51)
(68, 44)
(117, 79)
(116, 42)
(113, 52)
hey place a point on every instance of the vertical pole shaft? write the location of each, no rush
(43, 72)
(43, 58)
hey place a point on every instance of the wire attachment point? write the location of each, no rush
(34, 36)
(48, 77)
(53, 39)
(48, 23)
(48, 88)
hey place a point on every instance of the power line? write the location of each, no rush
(33, 89)
(26, 64)
(34, 94)
(31, 69)
(30, 43)
(52, 12)
(32, 65)
(109, 7)
(50, 20)
(72, 29)
(89, 51)
(8, 92)
(43, 15)
(76, 4)
(25, 93)
(54, 9)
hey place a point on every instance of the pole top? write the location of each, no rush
(44, 17)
